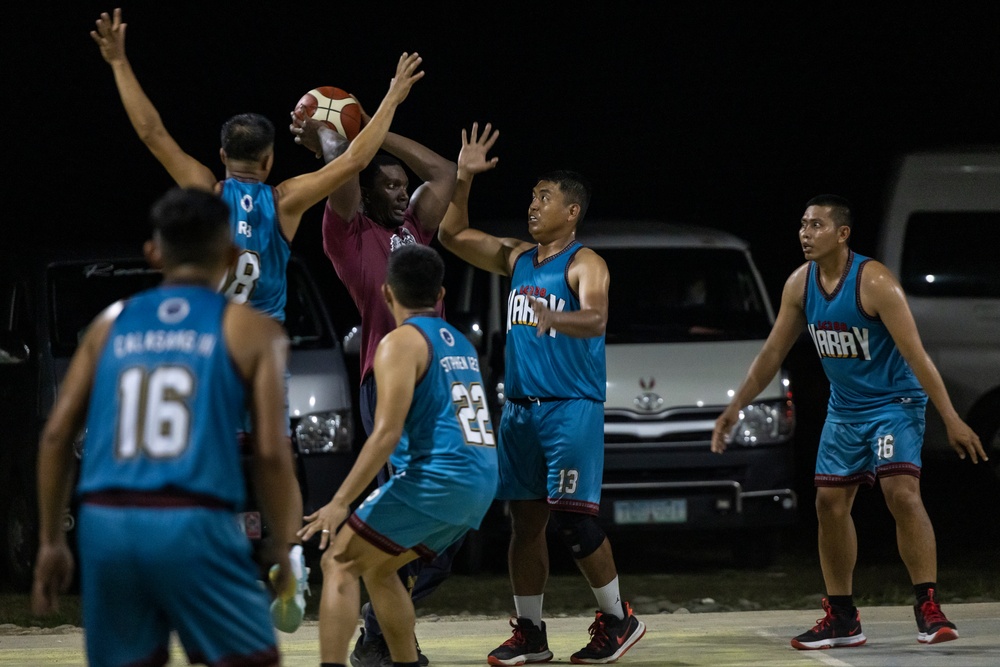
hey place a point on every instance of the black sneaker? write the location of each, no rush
(422, 659)
(832, 631)
(371, 651)
(377, 654)
(932, 626)
(527, 644)
(610, 638)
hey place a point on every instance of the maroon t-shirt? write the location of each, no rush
(359, 249)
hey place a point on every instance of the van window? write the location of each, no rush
(948, 254)
(79, 291)
(666, 295)
(304, 321)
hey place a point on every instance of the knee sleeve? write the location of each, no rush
(580, 532)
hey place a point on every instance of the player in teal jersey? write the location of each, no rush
(431, 420)
(551, 444)
(880, 379)
(263, 218)
(160, 381)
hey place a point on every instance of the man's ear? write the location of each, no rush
(222, 155)
(387, 295)
(151, 251)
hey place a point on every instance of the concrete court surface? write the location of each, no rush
(725, 639)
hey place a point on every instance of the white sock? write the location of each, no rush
(295, 556)
(529, 607)
(609, 599)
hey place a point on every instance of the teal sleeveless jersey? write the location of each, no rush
(448, 439)
(259, 277)
(553, 365)
(167, 401)
(865, 369)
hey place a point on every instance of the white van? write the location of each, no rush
(688, 313)
(940, 236)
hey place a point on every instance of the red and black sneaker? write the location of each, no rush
(835, 630)
(527, 644)
(932, 626)
(610, 638)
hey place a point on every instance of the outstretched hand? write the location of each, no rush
(472, 158)
(110, 36)
(965, 442)
(325, 521)
(722, 433)
(406, 76)
(53, 575)
(305, 130)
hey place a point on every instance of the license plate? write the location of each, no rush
(249, 523)
(672, 510)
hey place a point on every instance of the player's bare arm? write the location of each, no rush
(883, 296)
(437, 174)
(56, 463)
(401, 359)
(298, 194)
(588, 276)
(787, 327)
(185, 170)
(259, 348)
(476, 247)
(329, 144)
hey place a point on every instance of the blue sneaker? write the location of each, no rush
(289, 607)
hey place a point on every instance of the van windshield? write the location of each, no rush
(79, 291)
(661, 295)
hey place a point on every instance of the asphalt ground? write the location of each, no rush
(671, 640)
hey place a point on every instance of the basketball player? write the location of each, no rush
(432, 421)
(880, 379)
(551, 444)
(264, 219)
(161, 381)
(366, 219)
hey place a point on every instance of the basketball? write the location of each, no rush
(333, 106)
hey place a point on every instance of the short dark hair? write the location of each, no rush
(574, 186)
(191, 226)
(367, 176)
(415, 275)
(839, 207)
(247, 136)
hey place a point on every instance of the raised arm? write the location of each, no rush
(298, 194)
(787, 327)
(401, 359)
(185, 170)
(882, 295)
(476, 247)
(437, 174)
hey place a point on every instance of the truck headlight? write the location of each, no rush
(765, 423)
(325, 432)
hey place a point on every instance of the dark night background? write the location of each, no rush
(729, 114)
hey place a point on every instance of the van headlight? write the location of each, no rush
(765, 423)
(327, 432)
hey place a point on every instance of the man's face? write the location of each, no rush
(549, 214)
(819, 234)
(387, 199)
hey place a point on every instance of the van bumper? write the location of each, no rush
(693, 489)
